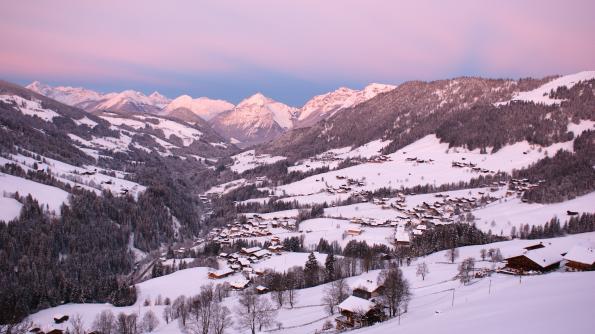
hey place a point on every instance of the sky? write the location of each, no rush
(288, 50)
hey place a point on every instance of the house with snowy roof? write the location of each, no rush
(542, 260)
(357, 312)
(367, 289)
(580, 259)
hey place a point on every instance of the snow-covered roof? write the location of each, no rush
(261, 253)
(356, 304)
(251, 250)
(402, 235)
(240, 284)
(544, 257)
(581, 255)
(367, 285)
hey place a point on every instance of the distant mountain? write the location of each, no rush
(203, 106)
(326, 105)
(128, 101)
(255, 120)
(91, 135)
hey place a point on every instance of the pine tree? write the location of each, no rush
(329, 265)
(311, 271)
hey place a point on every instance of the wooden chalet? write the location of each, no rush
(220, 273)
(357, 312)
(367, 289)
(580, 259)
(540, 260)
(239, 285)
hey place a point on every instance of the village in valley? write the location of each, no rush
(370, 232)
(305, 167)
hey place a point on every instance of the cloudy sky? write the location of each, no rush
(289, 50)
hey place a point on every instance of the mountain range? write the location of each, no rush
(255, 120)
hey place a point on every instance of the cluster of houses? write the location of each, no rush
(540, 258)
(521, 185)
(255, 226)
(345, 187)
(470, 165)
(242, 261)
(379, 159)
(419, 160)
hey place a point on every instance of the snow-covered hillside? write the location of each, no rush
(541, 94)
(326, 105)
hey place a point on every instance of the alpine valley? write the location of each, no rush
(126, 213)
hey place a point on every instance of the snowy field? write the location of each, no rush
(513, 212)
(9, 208)
(249, 160)
(46, 195)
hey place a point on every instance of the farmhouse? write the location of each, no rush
(220, 273)
(402, 238)
(353, 231)
(542, 260)
(239, 285)
(580, 259)
(356, 311)
(367, 289)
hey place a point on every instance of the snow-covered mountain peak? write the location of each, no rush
(326, 105)
(204, 107)
(257, 99)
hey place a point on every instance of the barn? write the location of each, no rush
(541, 260)
(580, 259)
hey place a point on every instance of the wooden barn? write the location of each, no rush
(220, 273)
(541, 260)
(580, 259)
(357, 312)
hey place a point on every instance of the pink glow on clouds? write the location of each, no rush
(353, 40)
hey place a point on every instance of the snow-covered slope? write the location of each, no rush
(326, 105)
(255, 120)
(203, 106)
(541, 94)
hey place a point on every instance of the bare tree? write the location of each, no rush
(105, 322)
(76, 321)
(167, 314)
(483, 253)
(221, 319)
(452, 254)
(335, 293)
(395, 292)
(16, 328)
(200, 311)
(466, 270)
(254, 311)
(150, 321)
(179, 309)
(422, 270)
